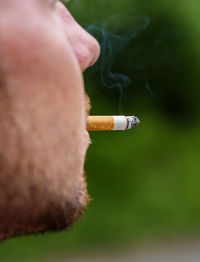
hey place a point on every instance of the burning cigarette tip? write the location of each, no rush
(132, 121)
(101, 123)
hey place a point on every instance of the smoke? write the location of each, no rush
(142, 56)
(112, 44)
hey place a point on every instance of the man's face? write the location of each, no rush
(43, 111)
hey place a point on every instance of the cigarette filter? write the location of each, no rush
(102, 123)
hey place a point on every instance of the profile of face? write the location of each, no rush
(43, 111)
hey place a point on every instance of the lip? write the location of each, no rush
(87, 138)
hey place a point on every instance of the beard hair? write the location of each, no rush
(35, 211)
(41, 185)
(32, 202)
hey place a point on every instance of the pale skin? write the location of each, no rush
(43, 52)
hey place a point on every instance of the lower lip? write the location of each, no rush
(87, 137)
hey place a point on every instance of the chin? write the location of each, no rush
(40, 206)
(42, 183)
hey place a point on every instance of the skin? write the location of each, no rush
(43, 111)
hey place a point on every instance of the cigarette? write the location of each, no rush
(103, 123)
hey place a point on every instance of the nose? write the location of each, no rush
(84, 46)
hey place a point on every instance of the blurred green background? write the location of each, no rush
(145, 183)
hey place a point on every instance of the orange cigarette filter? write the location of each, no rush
(103, 123)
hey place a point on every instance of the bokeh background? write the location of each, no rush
(145, 182)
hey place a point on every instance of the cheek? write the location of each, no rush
(44, 79)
